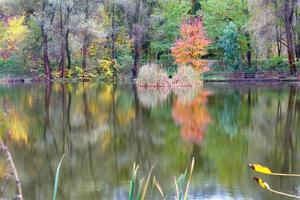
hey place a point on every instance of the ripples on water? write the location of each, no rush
(104, 129)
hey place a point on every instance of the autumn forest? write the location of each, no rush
(149, 99)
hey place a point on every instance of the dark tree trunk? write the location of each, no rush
(137, 49)
(297, 50)
(62, 45)
(278, 40)
(249, 53)
(67, 19)
(68, 50)
(86, 38)
(113, 38)
(297, 37)
(47, 68)
(288, 19)
(137, 38)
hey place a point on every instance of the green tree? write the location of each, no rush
(217, 16)
(230, 45)
(166, 20)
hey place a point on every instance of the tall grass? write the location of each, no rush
(180, 185)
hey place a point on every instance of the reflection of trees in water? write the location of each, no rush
(186, 94)
(152, 97)
(105, 128)
(193, 117)
(189, 109)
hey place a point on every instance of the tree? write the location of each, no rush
(289, 9)
(230, 46)
(195, 6)
(11, 36)
(217, 16)
(285, 14)
(192, 45)
(43, 25)
(166, 21)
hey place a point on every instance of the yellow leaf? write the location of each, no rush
(260, 168)
(262, 184)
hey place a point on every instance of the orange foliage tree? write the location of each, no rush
(192, 45)
(193, 117)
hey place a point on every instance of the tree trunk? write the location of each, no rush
(47, 68)
(297, 50)
(288, 18)
(137, 38)
(137, 49)
(86, 38)
(278, 40)
(249, 53)
(113, 38)
(68, 49)
(62, 45)
(297, 37)
(85, 52)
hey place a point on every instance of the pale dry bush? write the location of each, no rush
(151, 75)
(186, 76)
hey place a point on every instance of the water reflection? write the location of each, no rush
(192, 116)
(104, 129)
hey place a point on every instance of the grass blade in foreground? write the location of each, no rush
(57, 178)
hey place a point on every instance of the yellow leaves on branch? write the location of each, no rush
(14, 33)
(192, 45)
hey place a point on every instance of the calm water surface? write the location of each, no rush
(104, 129)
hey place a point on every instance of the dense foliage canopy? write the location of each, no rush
(105, 39)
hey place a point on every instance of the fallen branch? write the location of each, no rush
(19, 195)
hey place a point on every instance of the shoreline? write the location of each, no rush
(251, 80)
(28, 80)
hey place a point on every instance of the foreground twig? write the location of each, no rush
(3, 188)
(266, 186)
(19, 195)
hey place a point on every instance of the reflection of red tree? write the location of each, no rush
(193, 117)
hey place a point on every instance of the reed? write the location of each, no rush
(56, 179)
(180, 185)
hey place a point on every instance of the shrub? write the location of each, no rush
(275, 63)
(186, 76)
(151, 75)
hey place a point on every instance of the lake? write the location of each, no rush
(104, 129)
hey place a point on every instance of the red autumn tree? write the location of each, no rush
(192, 45)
